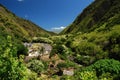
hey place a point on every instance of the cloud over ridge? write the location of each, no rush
(58, 28)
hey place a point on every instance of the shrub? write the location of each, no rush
(115, 52)
(65, 77)
(36, 66)
(53, 52)
(87, 48)
(89, 53)
(84, 60)
(106, 76)
(86, 75)
(10, 67)
(106, 65)
(66, 64)
(58, 49)
(42, 40)
(21, 50)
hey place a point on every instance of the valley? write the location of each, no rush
(88, 49)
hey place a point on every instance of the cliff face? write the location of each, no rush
(18, 27)
(97, 13)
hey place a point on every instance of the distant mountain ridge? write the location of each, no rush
(18, 27)
(97, 13)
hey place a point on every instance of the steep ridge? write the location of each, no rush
(18, 27)
(97, 13)
(95, 33)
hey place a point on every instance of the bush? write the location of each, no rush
(104, 69)
(86, 75)
(87, 48)
(114, 43)
(106, 65)
(42, 40)
(10, 67)
(84, 60)
(89, 52)
(106, 76)
(58, 49)
(65, 77)
(66, 64)
(36, 66)
(21, 50)
(115, 52)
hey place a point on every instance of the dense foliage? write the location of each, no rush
(18, 27)
(107, 67)
(37, 66)
(11, 68)
(96, 14)
(92, 54)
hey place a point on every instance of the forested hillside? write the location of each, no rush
(18, 27)
(100, 12)
(93, 40)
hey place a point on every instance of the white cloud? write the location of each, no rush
(57, 29)
(20, 0)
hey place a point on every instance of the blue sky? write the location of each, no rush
(49, 14)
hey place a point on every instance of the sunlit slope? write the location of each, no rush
(18, 27)
(95, 15)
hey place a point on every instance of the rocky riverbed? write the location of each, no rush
(38, 50)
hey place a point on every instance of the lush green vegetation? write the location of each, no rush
(37, 66)
(87, 48)
(92, 54)
(108, 69)
(92, 17)
(20, 28)
(42, 40)
(11, 68)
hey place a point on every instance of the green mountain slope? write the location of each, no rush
(91, 52)
(95, 33)
(18, 27)
(96, 14)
